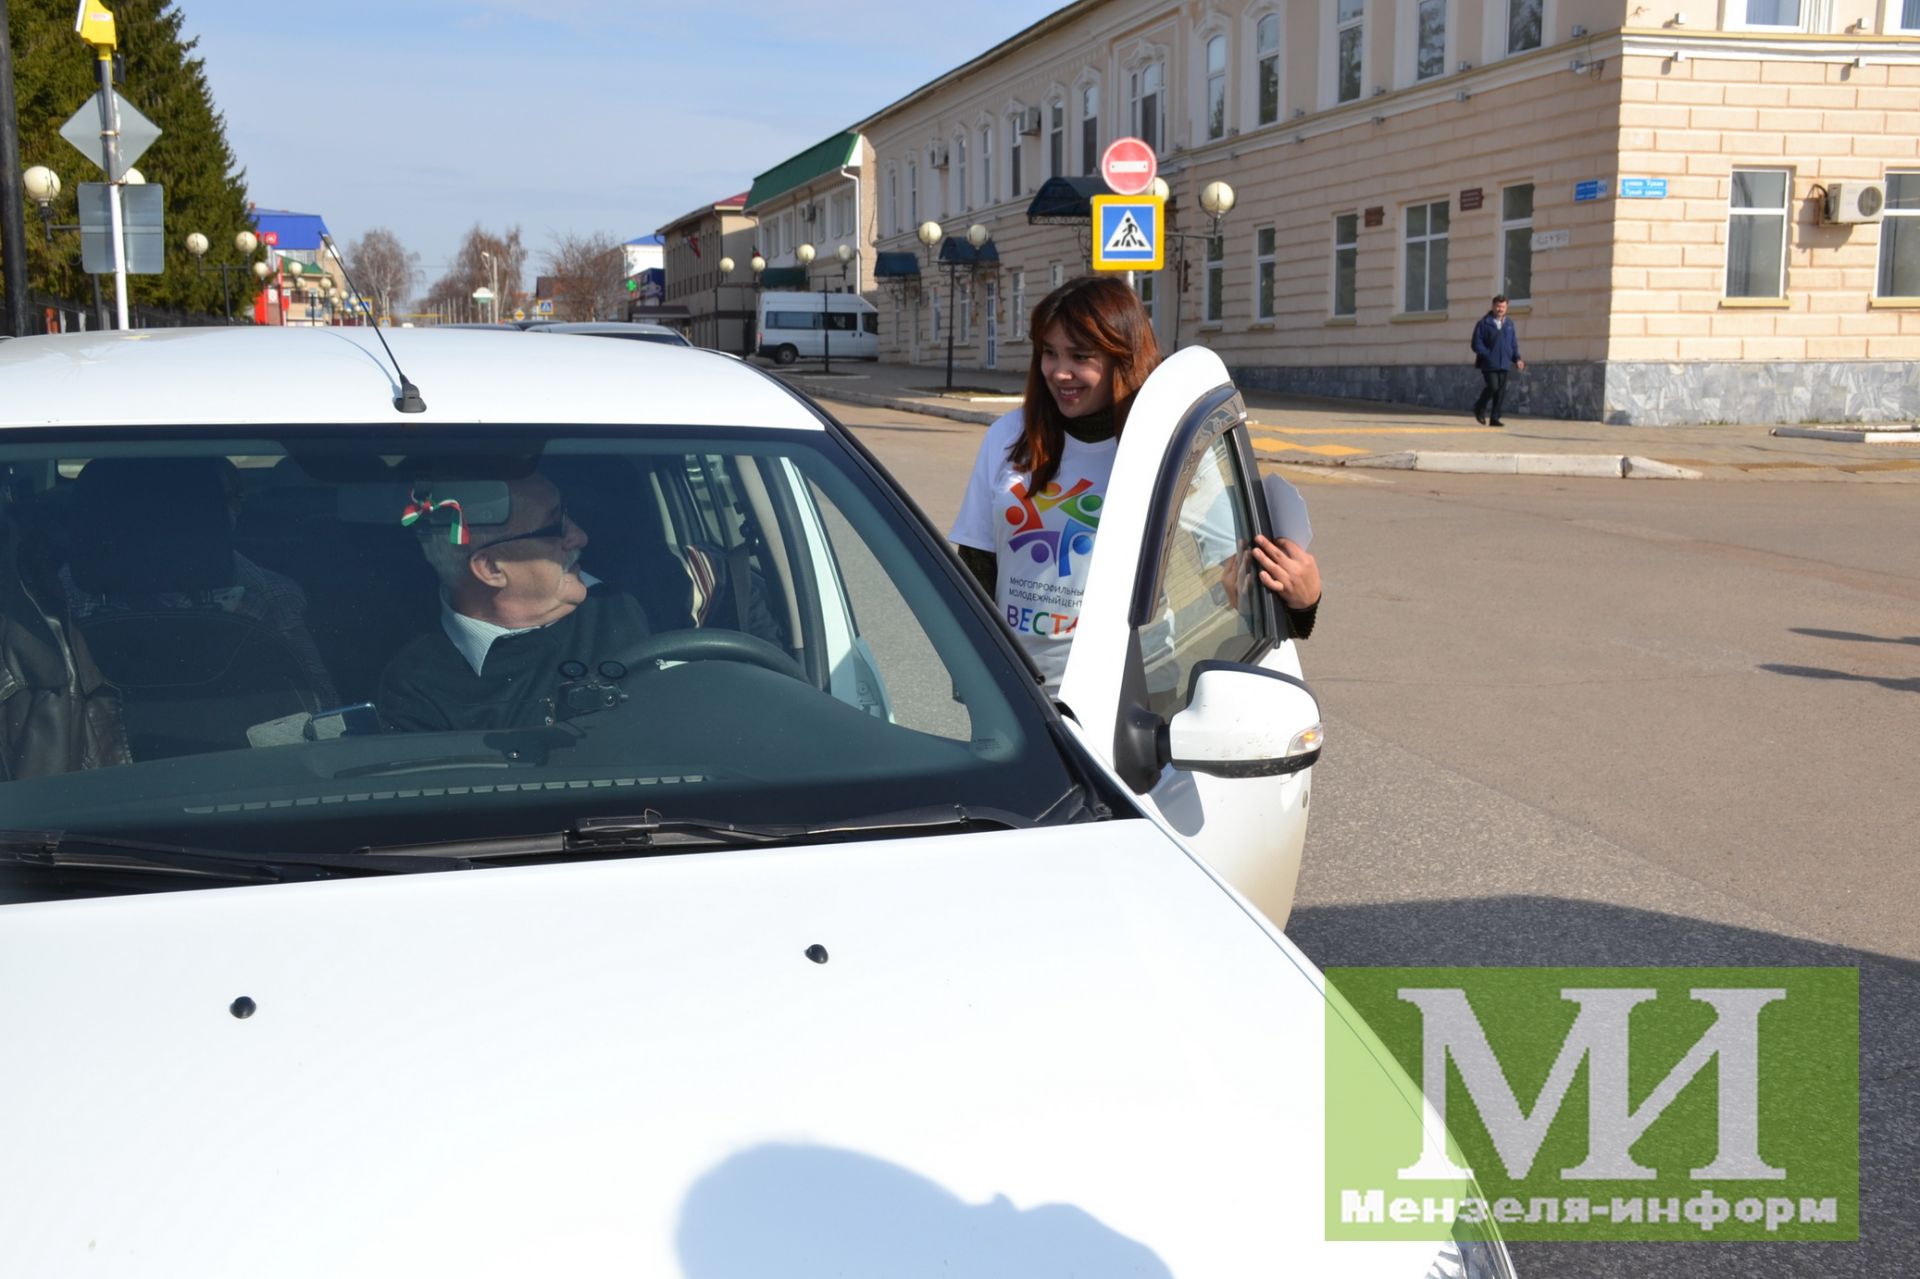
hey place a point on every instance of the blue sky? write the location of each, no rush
(426, 116)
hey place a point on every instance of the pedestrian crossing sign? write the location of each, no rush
(1129, 233)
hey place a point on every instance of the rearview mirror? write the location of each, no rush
(1245, 721)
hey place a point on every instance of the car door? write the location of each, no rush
(1170, 589)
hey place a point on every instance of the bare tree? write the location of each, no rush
(384, 268)
(589, 275)
(452, 293)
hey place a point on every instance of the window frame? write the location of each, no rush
(1413, 11)
(1263, 59)
(1894, 20)
(1215, 86)
(1882, 275)
(1140, 98)
(1506, 27)
(1351, 247)
(1429, 238)
(1213, 280)
(1784, 212)
(1056, 137)
(1016, 146)
(1507, 225)
(987, 193)
(1270, 262)
(1089, 92)
(1338, 28)
(1736, 17)
(958, 182)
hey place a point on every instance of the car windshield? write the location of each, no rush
(325, 639)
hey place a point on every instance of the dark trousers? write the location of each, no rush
(1496, 389)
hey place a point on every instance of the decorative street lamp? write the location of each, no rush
(757, 264)
(931, 233)
(42, 186)
(725, 266)
(1216, 201)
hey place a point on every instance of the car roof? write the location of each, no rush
(280, 376)
(601, 326)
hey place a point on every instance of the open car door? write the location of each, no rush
(1181, 674)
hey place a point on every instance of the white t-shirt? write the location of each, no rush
(1042, 543)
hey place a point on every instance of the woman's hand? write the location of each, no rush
(1288, 570)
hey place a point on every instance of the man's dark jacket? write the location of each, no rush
(1496, 343)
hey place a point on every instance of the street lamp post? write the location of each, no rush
(42, 185)
(1216, 201)
(757, 264)
(805, 254)
(725, 266)
(493, 295)
(931, 233)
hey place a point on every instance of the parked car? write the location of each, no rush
(785, 926)
(808, 326)
(614, 329)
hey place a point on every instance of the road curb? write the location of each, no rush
(927, 408)
(1866, 435)
(1607, 466)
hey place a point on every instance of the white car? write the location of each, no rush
(792, 932)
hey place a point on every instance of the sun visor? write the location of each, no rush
(474, 502)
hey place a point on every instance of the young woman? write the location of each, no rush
(1028, 522)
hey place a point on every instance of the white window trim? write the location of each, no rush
(957, 180)
(1250, 93)
(1333, 264)
(1733, 17)
(1493, 45)
(1508, 224)
(1904, 215)
(1216, 29)
(1142, 55)
(1891, 11)
(1253, 300)
(988, 139)
(1428, 239)
(893, 199)
(1406, 42)
(1330, 52)
(1077, 124)
(1010, 121)
(913, 195)
(1056, 97)
(1785, 211)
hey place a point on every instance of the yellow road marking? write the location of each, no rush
(1323, 450)
(1378, 430)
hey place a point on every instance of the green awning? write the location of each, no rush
(817, 160)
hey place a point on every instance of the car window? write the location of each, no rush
(264, 643)
(1207, 602)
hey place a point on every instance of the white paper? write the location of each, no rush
(1288, 511)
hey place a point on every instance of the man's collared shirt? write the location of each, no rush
(474, 638)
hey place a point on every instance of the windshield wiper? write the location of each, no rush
(77, 849)
(650, 833)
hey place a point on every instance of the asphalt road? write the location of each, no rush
(1607, 722)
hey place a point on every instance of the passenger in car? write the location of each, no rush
(515, 609)
(157, 535)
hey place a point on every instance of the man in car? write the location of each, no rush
(515, 609)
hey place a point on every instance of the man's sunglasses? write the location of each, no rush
(556, 529)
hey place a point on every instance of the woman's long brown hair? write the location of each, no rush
(1094, 313)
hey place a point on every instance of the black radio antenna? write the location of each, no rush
(408, 401)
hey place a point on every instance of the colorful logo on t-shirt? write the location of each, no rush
(1081, 506)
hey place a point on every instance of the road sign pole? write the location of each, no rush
(110, 157)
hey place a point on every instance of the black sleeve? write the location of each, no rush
(1300, 620)
(984, 565)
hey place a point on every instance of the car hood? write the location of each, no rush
(1057, 1051)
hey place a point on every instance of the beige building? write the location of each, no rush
(1704, 212)
(822, 197)
(719, 307)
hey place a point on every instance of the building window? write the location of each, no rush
(959, 200)
(1430, 40)
(1524, 21)
(1057, 136)
(913, 196)
(1263, 273)
(1900, 232)
(1213, 304)
(893, 202)
(1217, 88)
(1905, 14)
(1774, 13)
(963, 317)
(986, 165)
(1090, 129)
(1349, 48)
(1426, 260)
(1019, 304)
(1516, 242)
(1757, 234)
(1146, 286)
(1266, 51)
(1016, 180)
(1146, 89)
(1346, 262)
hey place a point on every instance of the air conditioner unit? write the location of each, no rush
(937, 156)
(1030, 120)
(1854, 202)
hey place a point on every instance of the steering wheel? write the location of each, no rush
(715, 645)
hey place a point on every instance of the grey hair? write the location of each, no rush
(448, 560)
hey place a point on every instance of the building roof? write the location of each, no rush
(821, 158)
(731, 204)
(653, 241)
(294, 230)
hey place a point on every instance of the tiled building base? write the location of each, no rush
(1701, 394)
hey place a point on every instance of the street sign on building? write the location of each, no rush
(1128, 166)
(1129, 233)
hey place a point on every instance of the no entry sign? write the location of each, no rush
(1128, 166)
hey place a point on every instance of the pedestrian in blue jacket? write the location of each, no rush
(1496, 351)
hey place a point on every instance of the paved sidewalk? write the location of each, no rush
(1370, 434)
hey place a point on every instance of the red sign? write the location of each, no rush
(1129, 167)
(1471, 199)
(270, 238)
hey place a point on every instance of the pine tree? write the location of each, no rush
(205, 189)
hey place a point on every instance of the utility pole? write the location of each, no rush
(13, 197)
(95, 26)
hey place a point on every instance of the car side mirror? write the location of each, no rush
(1245, 721)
